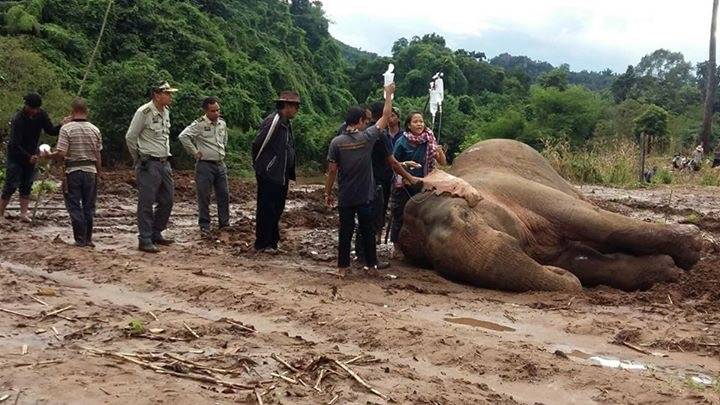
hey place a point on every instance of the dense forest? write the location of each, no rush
(245, 51)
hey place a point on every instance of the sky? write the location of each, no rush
(591, 35)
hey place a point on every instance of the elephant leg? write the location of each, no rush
(578, 220)
(460, 245)
(616, 270)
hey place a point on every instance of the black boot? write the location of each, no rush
(147, 246)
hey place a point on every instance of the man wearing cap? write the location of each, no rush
(206, 140)
(148, 140)
(273, 153)
(79, 145)
(22, 152)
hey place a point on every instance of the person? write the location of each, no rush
(349, 154)
(273, 153)
(22, 152)
(79, 145)
(148, 140)
(419, 151)
(206, 140)
(383, 175)
(696, 161)
(394, 129)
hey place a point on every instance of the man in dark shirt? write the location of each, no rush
(383, 175)
(22, 152)
(349, 155)
(273, 152)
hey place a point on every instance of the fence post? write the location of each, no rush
(643, 141)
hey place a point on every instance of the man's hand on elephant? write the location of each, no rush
(415, 181)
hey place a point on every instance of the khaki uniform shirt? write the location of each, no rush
(81, 141)
(149, 132)
(210, 138)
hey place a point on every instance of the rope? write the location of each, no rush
(97, 45)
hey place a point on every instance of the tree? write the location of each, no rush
(653, 122)
(623, 84)
(711, 84)
(556, 78)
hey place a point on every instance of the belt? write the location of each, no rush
(155, 158)
(215, 162)
(78, 163)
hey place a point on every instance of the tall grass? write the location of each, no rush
(607, 161)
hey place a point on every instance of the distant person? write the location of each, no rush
(79, 145)
(696, 161)
(350, 158)
(418, 149)
(206, 140)
(22, 152)
(148, 140)
(273, 153)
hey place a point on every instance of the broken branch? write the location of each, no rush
(284, 363)
(360, 380)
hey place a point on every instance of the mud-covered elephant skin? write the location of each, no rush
(504, 219)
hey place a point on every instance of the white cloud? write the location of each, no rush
(620, 30)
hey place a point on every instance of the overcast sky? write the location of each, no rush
(586, 34)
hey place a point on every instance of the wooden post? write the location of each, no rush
(643, 141)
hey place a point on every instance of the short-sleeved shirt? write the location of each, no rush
(352, 151)
(382, 171)
(149, 132)
(210, 138)
(80, 140)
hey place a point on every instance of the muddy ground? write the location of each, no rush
(210, 321)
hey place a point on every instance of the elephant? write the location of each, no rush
(503, 218)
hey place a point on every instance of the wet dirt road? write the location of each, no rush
(213, 322)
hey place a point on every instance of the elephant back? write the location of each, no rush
(506, 156)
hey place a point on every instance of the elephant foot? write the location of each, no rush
(685, 245)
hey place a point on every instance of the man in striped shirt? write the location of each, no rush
(79, 145)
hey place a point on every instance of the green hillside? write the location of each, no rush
(245, 51)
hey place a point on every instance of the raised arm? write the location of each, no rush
(387, 108)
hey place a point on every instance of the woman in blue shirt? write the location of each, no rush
(420, 153)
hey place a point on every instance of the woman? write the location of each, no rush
(420, 153)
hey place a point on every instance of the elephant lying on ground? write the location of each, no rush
(519, 226)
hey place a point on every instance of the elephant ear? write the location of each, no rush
(441, 182)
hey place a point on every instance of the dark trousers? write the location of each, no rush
(212, 176)
(367, 233)
(18, 175)
(80, 202)
(379, 207)
(400, 197)
(270, 206)
(155, 185)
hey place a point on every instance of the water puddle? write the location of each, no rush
(480, 324)
(616, 363)
(692, 375)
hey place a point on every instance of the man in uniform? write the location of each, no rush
(148, 140)
(273, 153)
(206, 140)
(22, 152)
(79, 145)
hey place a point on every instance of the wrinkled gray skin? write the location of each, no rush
(531, 230)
